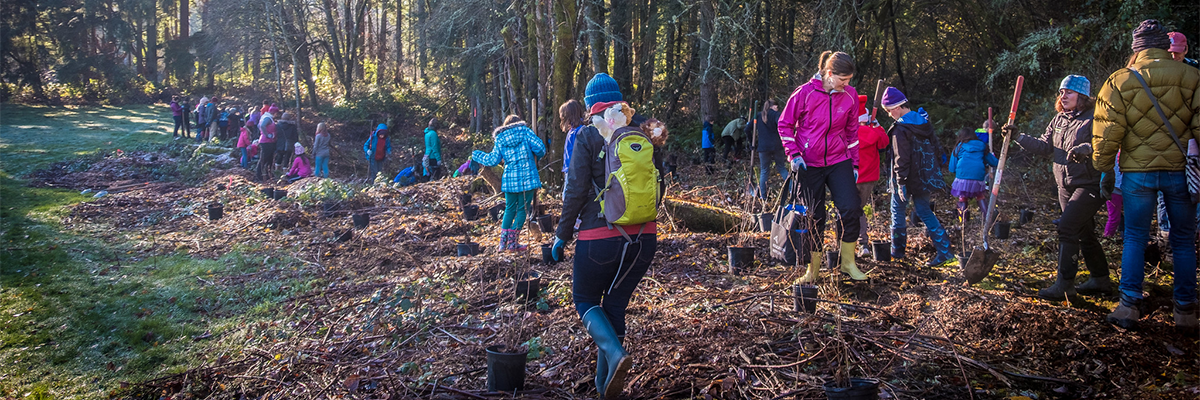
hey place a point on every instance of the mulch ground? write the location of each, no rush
(400, 315)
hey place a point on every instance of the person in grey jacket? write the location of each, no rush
(1068, 140)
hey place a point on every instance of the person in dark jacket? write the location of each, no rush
(289, 135)
(765, 140)
(915, 175)
(1068, 139)
(607, 266)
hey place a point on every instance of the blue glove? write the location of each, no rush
(798, 164)
(556, 251)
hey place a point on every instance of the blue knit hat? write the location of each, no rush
(602, 88)
(892, 98)
(1077, 83)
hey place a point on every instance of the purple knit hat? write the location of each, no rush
(1150, 35)
(892, 98)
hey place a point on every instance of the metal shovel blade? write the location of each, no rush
(980, 264)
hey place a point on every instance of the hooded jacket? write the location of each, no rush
(287, 131)
(734, 128)
(370, 144)
(433, 145)
(1067, 131)
(970, 160)
(916, 153)
(516, 146)
(822, 127)
(1126, 119)
(176, 109)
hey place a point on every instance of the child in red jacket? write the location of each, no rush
(871, 140)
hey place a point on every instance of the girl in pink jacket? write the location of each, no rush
(819, 129)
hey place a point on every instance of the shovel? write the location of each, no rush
(984, 258)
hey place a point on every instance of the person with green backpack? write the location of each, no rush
(613, 189)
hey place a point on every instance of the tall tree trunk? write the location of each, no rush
(595, 28)
(708, 92)
(619, 23)
(647, 43)
(184, 30)
(398, 45)
(896, 47)
(761, 46)
(561, 82)
(152, 47)
(420, 29)
(381, 45)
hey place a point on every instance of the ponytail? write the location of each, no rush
(838, 63)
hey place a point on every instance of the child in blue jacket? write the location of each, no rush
(969, 164)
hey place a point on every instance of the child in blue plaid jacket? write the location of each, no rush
(518, 148)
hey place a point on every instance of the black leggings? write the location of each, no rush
(266, 162)
(839, 178)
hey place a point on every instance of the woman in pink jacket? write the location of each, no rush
(819, 128)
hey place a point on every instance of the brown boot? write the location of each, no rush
(1127, 313)
(1186, 320)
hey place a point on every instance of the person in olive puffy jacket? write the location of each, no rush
(1151, 162)
(1068, 139)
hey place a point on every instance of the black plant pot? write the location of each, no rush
(464, 199)
(505, 369)
(279, 194)
(962, 259)
(467, 249)
(882, 250)
(833, 259)
(860, 389)
(740, 258)
(268, 191)
(1002, 230)
(470, 212)
(764, 221)
(528, 289)
(496, 212)
(546, 223)
(548, 254)
(361, 220)
(1026, 216)
(344, 236)
(805, 297)
(215, 211)
(328, 210)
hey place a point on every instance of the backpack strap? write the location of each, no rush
(1161, 114)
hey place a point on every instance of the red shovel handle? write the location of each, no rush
(1012, 113)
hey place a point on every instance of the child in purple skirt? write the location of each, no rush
(969, 166)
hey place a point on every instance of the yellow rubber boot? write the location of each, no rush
(848, 266)
(814, 269)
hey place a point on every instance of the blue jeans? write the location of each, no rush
(1140, 191)
(245, 157)
(765, 159)
(596, 272)
(920, 200)
(322, 166)
(374, 168)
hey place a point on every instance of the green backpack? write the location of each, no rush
(630, 193)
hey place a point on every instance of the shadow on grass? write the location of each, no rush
(78, 315)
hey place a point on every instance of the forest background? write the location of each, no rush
(474, 61)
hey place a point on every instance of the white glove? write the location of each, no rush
(369, 153)
(798, 164)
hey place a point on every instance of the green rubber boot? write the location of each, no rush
(617, 361)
